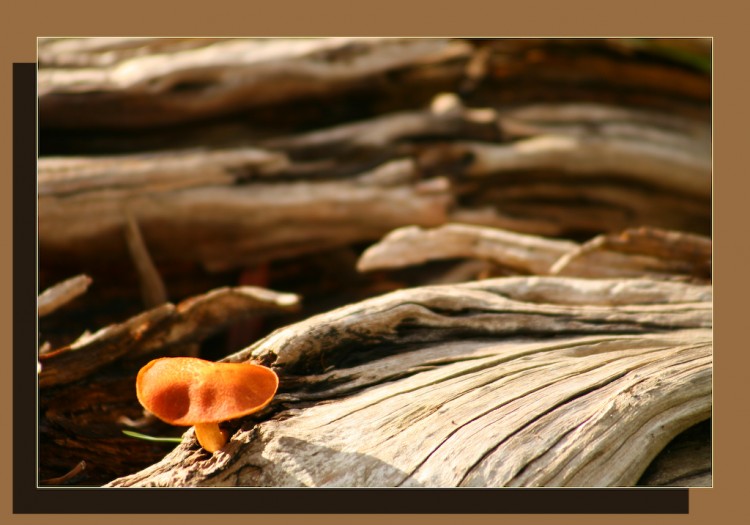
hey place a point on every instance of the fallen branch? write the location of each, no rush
(519, 381)
(412, 245)
(206, 207)
(179, 83)
(62, 293)
(642, 252)
(153, 290)
(645, 252)
(157, 329)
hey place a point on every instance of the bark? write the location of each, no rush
(507, 382)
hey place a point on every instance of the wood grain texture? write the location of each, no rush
(505, 382)
(157, 329)
(223, 209)
(642, 252)
(217, 162)
(157, 82)
(412, 245)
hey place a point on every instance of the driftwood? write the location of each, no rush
(159, 328)
(620, 141)
(194, 206)
(62, 293)
(184, 201)
(137, 86)
(507, 382)
(572, 165)
(87, 392)
(643, 252)
(413, 245)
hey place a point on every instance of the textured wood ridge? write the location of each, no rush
(506, 382)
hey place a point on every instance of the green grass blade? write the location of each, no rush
(138, 435)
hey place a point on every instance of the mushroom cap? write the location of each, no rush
(188, 391)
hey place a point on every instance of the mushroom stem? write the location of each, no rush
(210, 436)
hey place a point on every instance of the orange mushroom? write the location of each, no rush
(187, 391)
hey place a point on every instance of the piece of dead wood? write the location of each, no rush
(500, 186)
(645, 252)
(592, 155)
(641, 252)
(198, 207)
(447, 118)
(585, 170)
(608, 120)
(190, 321)
(165, 171)
(505, 382)
(179, 83)
(67, 477)
(412, 245)
(62, 293)
(576, 168)
(685, 462)
(153, 290)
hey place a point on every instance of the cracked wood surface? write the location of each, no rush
(542, 381)
(637, 253)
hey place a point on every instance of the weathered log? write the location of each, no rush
(413, 245)
(643, 252)
(190, 321)
(197, 207)
(446, 119)
(517, 381)
(142, 86)
(357, 182)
